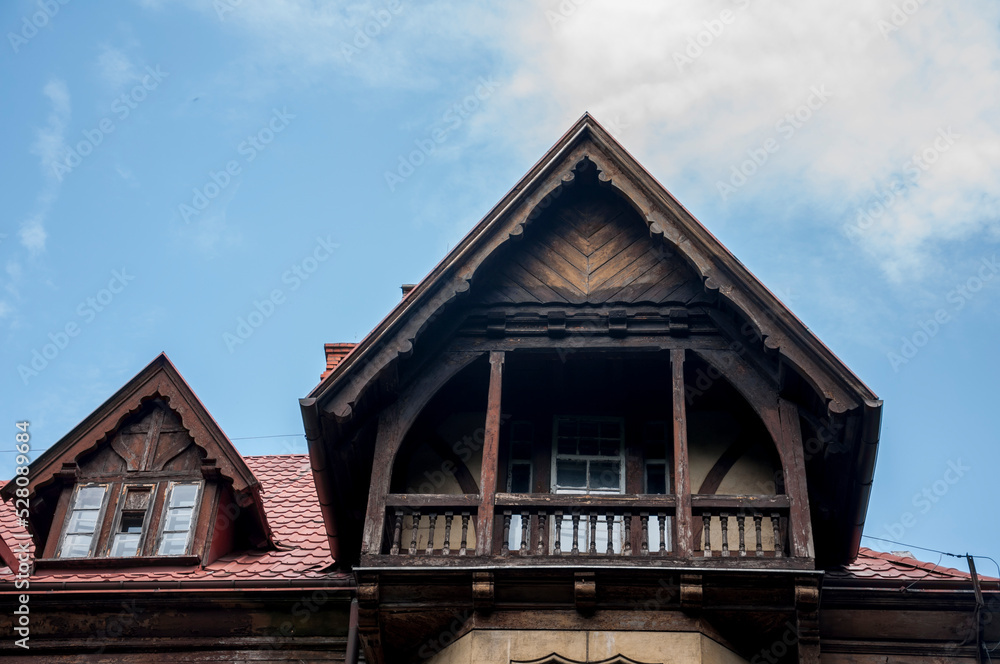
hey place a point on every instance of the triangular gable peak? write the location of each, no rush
(153, 429)
(671, 230)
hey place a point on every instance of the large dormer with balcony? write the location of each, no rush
(589, 406)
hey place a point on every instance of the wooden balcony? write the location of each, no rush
(602, 530)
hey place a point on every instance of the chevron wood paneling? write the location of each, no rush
(590, 250)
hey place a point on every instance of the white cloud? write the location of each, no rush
(116, 68)
(50, 148)
(50, 140)
(33, 234)
(889, 97)
(691, 89)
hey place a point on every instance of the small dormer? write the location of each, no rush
(148, 478)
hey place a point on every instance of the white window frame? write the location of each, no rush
(96, 534)
(120, 509)
(195, 512)
(601, 531)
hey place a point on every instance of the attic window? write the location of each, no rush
(128, 534)
(178, 519)
(82, 521)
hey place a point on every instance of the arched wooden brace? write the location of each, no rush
(780, 417)
(393, 424)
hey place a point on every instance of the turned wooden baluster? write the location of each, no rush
(541, 533)
(779, 545)
(756, 526)
(465, 534)
(505, 545)
(593, 532)
(706, 521)
(430, 533)
(627, 546)
(414, 527)
(576, 533)
(609, 520)
(740, 523)
(525, 520)
(446, 548)
(397, 532)
(661, 519)
(644, 522)
(557, 545)
(724, 520)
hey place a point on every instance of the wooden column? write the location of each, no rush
(491, 447)
(682, 478)
(386, 440)
(800, 520)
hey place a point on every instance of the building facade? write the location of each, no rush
(588, 435)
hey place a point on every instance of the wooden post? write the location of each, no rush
(682, 479)
(385, 442)
(800, 520)
(491, 447)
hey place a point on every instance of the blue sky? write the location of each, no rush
(169, 165)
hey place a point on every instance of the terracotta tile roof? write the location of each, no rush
(881, 566)
(293, 513)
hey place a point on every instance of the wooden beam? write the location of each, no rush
(386, 443)
(491, 449)
(800, 520)
(682, 479)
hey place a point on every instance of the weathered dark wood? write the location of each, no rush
(748, 503)
(386, 443)
(800, 519)
(491, 447)
(602, 502)
(420, 500)
(684, 540)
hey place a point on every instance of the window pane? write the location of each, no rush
(656, 478)
(76, 546)
(178, 519)
(520, 478)
(183, 495)
(567, 445)
(173, 544)
(125, 545)
(588, 446)
(131, 522)
(588, 428)
(82, 521)
(571, 473)
(521, 450)
(605, 475)
(610, 447)
(89, 498)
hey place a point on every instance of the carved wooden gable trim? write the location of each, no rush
(590, 247)
(153, 423)
(150, 440)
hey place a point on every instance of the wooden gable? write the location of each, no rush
(593, 248)
(153, 427)
(588, 249)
